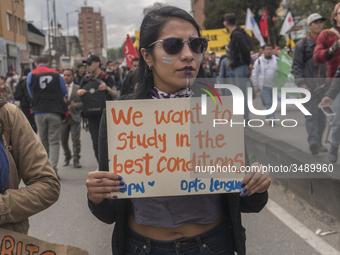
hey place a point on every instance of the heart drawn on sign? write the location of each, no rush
(151, 183)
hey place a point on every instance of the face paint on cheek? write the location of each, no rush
(165, 61)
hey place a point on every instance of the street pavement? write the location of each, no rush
(69, 220)
(295, 136)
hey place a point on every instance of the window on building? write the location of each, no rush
(98, 36)
(89, 22)
(89, 36)
(9, 22)
(80, 32)
(88, 17)
(89, 27)
(80, 18)
(99, 50)
(90, 45)
(97, 21)
(81, 36)
(80, 27)
(89, 31)
(23, 27)
(19, 26)
(15, 25)
(97, 27)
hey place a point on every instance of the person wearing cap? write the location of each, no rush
(21, 94)
(308, 75)
(327, 50)
(47, 90)
(93, 63)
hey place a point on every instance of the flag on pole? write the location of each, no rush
(252, 25)
(290, 42)
(136, 43)
(130, 51)
(264, 24)
(288, 23)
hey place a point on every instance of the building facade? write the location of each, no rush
(36, 43)
(92, 31)
(197, 11)
(13, 35)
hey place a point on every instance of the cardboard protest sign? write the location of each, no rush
(166, 147)
(13, 243)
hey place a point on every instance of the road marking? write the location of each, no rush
(309, 236)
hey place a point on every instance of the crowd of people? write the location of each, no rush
(55, 105)
(314, 57)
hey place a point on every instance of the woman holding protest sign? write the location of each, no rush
(22, 156)
(171, 50)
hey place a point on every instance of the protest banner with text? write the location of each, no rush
(13, 243)
(166, 147)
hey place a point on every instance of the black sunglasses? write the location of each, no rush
(173, 46)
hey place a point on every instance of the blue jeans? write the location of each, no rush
(239, 78)
(217, 241)
(267, 97)
(335, 122)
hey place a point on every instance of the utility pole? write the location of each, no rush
(49, 31)
(68, 34)
(55, 35)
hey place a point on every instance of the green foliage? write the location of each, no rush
(114, 53)
(117, 53)
(215, 10)
(304, 8)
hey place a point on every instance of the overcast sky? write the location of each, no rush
(122, 16)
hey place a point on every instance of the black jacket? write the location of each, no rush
(130, 82)
(110, 211)
(335, 86)
(304, 69)
(21, 93)
(238, 48)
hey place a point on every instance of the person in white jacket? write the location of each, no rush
(263, 76)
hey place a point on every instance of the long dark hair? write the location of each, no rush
(152, 24)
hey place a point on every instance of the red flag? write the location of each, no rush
(130, 51)
(264, 24)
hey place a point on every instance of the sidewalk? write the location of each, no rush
(285, 146)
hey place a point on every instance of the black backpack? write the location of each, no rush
(94, 100)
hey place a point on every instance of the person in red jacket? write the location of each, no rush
(327, 50)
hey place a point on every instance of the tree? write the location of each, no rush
(117, 53)
(304, 8)
(215, 9)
